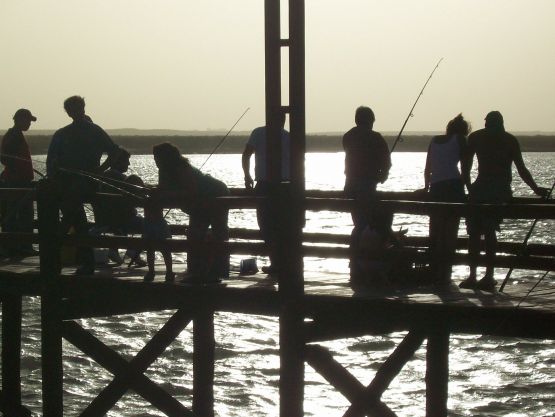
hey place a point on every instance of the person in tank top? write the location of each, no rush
(443, 182)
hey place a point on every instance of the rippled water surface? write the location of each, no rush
(488, 376)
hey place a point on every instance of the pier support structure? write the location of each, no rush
(287, 196)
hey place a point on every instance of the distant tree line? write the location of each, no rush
(314, 143)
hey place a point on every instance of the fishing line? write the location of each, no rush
(525, 242)
(398, 139)
(225, 137)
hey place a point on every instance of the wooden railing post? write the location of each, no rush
(203, 363)
(51, 319)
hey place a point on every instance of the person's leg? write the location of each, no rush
(487, 283)
(473, 254)
(167, 255)
(266, 224)
(150, 262)
(196, 233)
(220, 234)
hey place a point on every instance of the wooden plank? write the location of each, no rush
(11, 354)
(118, 366)
(109, 395)
(204, 346)
(437, 372)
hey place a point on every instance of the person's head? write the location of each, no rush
(75, 107)
(167, 155)
(458, 126)
(121, 160)
(364, 116)
(22, 119)
(494, 121)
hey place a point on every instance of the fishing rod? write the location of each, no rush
(225, 137)
(398, 139)
(217, 146)
(25, 160)
(525, 242)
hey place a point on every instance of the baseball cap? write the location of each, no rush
(24, 114)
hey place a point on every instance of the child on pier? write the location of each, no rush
(156, 227)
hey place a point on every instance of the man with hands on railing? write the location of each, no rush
(496, 151)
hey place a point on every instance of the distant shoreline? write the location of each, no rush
(142, 145)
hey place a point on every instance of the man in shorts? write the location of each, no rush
(496, 151)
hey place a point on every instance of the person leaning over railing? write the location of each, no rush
(198, 192)
(18, 172)
(443, 182)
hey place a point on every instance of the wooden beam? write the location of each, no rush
(118, 366)
(437, 373)
(204, 346)
(386, 373)
(11, 354)
(110, 395)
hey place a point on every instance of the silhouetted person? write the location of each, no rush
(18, 173)
(74, 152)
(120, 217)
(197, 191)
(443, 181)
(267, 222)
(367, 163)
(496, 151)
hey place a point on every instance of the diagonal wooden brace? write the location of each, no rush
(130, 374)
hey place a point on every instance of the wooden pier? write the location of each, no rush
(323, 307)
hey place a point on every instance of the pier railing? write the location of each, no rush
(57, 312)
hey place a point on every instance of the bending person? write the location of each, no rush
(496, 151)
(198, 191)
(443, 181)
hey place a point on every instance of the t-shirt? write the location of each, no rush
(444, 158)
(495, 151)
(79, 145)
(366, 155)
(257, 140)
(16, 157)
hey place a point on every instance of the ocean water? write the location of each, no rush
(488, 376)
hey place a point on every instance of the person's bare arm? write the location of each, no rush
(466, 163)
(245, 162)
(525, 174)
(427, 170)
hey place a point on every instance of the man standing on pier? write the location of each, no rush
(264, 213)
(74, 153)
(496, 150)
(367, 163)
(18, 173)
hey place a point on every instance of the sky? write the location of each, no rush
(197, 65)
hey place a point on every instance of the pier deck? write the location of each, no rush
(119, 290)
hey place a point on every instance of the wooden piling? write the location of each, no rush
(437, 373)
(51, 318)
(11, 354)
(203, 363)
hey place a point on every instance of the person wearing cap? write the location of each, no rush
(496, 150)
(18, 173)
(74, 152)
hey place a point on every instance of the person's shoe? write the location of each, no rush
(137, 263)
(170, 276)
(84, 270)
(270, 269)
(469, 284)
(486, 284)
(149, 276)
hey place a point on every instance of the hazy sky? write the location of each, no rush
(198, 64)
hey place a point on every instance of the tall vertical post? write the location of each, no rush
(11, 354)
(51, 318)
(204, 346)
(437, 372)
(288, 197)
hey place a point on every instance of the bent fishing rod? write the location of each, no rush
(525, 242)
(225, 137)
(398, 139)
(217, 146)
